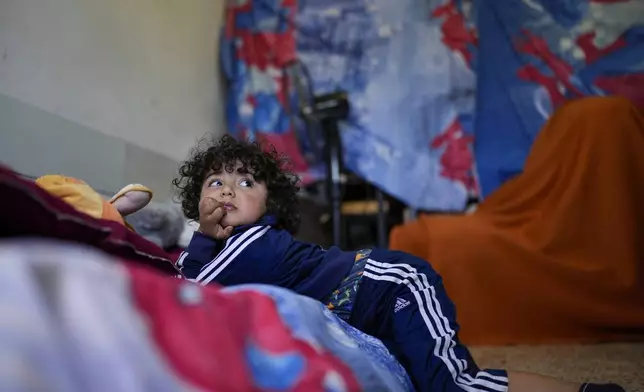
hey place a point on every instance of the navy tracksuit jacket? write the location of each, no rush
(401, 299)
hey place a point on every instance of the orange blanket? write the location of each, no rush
(556, 254)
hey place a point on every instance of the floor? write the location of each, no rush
(622, 363)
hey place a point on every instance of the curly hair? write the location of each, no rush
(266, 165)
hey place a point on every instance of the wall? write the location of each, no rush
(112, 92)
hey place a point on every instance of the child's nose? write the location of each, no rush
(227, 191)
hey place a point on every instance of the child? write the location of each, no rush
(246, 205)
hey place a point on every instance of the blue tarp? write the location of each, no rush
(540, 53)
(411, 96)
(429, 80)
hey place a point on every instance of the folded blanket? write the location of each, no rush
(75, 319)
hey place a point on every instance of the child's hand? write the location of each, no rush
(211, 212)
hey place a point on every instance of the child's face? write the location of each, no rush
(244, 199)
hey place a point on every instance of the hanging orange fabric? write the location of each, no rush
(556, 254)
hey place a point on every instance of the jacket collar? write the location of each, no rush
(266, 220)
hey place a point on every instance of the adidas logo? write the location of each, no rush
(400, 304)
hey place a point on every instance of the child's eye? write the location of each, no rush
(246, 183)
(215, 183)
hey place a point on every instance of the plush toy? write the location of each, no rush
(85, 199)
(162, 223)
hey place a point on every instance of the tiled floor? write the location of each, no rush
(622, 363)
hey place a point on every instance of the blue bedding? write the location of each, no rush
(312, 322)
